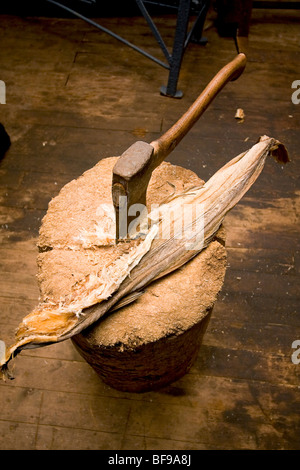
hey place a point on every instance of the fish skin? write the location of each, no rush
(53, 323)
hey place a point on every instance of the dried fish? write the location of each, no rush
(159, 252)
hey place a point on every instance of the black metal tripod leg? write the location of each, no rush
(178, 50)
(197, 30)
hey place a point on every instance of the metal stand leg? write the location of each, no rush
(181, 38)
(178, 50)
(197, 30)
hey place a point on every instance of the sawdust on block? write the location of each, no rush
(76, 215)
(172, 304)
(64, 260)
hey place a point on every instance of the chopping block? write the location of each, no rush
(155, 340)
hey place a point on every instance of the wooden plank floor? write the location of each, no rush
(74, 96)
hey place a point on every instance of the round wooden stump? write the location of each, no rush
(154, 341)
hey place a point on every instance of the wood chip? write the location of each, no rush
(240, 115)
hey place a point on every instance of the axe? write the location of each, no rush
(133, 169)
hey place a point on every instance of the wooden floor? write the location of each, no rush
(73, 96)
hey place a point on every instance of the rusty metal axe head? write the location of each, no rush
(131, 176)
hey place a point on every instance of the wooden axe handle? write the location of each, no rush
(132, 172)
(168, 141)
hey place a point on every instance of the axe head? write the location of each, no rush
(131, 176)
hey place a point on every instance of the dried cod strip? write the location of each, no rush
(160, 252)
